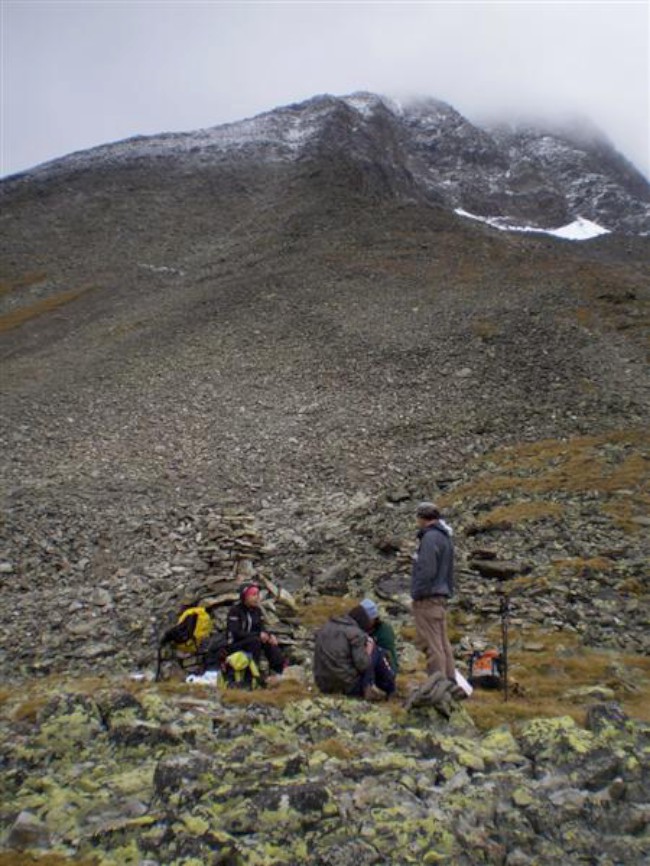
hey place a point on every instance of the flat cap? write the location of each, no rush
(428, 511)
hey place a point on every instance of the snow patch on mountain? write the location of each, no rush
(579, 230)
(531, 176)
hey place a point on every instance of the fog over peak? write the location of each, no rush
(78, 75)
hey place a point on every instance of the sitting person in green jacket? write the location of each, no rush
(382, 632)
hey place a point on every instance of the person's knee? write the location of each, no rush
(274, 657)
(250, 644)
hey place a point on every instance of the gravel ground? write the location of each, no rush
(265, 341)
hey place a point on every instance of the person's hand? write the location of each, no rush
(370, 645)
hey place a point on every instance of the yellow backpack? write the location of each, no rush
(241, 671)
(203, 629)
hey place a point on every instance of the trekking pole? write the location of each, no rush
(504, 610)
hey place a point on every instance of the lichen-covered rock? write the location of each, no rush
(182, 780)
(183, 777)
(120, 706)
(601, 717)
(28, 832)
(68, 724)
(139, 732)
(585, 694)
(555, 741)
(502, 748)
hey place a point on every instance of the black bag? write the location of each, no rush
(485, 669)
(210, 654)
(215, 650)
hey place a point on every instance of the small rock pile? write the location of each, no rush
(115, 622)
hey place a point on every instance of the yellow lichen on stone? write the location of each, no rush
(472, 761)
(434, 857)
(387, 762)
(501, 742)
(133, 781)
(547, 733)
(66, 733)
(195, 825)
(330, 809)
(126, 855)
(317, 759)
(521, 797)
(157, 706)
(448, 771)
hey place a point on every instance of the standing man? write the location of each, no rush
(432, 585)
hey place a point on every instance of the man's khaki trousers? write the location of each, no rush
(430, 616)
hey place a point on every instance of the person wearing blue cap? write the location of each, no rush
(348, 661)
(382, 632)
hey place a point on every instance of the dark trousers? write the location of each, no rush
(378, 673)
(253, 645)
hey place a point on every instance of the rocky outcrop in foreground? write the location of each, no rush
(113, 772)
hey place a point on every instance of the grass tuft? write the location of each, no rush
(614, 468)
(316, 613)
(32, 278)
(485, 329)
(18, 317)
(336, 749)
(540, 680)
(28, 711)
(26, 858)
(582, 565)
(280, 694)
(522, 512)
(623, 512)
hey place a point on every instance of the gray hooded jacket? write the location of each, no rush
(433, 567)
(339, 655)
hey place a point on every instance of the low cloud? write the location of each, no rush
(77, 75)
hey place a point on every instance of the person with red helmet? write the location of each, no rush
(247, 631)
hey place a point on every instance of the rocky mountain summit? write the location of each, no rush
(249, 352)
(542, 176)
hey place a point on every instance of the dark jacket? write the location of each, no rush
(339, 655)
(182, 631)
(433, 567)
(244, 621)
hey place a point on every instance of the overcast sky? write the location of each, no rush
(79, 74)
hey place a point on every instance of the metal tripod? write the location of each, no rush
(504, 612)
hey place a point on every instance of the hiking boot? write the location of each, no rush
(444, 706)
(457, 693)
(435, 692)
(372, 693)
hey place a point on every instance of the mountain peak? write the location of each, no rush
(542, 174)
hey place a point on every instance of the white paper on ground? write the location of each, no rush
(139, 676)
(462, 682)
(209, 678)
